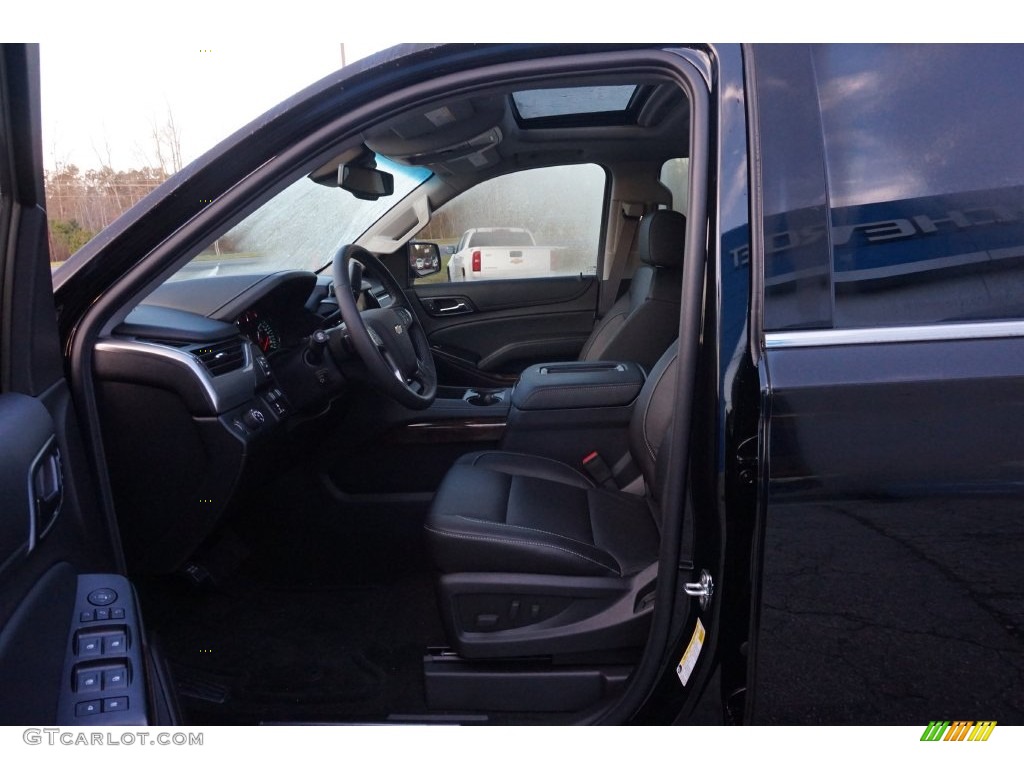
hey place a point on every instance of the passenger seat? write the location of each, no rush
(642, 324)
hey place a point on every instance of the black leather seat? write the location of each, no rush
(511, 512)
(643, 322)
(536, 557)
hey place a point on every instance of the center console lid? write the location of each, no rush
(583, 384)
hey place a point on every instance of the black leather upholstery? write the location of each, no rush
(641, 324)
(661, 237)
(515, 513)
(554, 386)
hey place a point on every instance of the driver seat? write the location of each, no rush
(536, 558)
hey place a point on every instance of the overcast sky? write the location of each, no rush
(111, 69)
(100, 101)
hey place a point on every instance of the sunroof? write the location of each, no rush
(584, 100)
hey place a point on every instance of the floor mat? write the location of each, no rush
(254, 653)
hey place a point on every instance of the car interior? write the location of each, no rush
(350, 493)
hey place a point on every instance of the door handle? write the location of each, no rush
(446, 306)
(46, 490)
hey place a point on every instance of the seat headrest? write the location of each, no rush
(661, 238)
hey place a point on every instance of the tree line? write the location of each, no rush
(79, 203)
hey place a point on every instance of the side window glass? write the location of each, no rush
(926, 182)
(675, 175)
(544, 222)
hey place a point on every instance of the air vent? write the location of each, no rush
(221, 357)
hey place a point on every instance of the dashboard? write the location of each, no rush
(195, 388)
(200, 386)
(231, 342)
(261, 330)
(273, 311)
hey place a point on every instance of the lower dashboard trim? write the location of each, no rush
(450, 431)
(221, 393)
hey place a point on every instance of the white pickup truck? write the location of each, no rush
(501, 253)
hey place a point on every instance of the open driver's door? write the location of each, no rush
(71, 645)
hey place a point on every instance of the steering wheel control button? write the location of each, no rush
(102, 596)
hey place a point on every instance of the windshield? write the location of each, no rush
(299, 228)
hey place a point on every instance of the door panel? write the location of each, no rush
(51, 527)
(891, 538)
(505, 326)
(30, 478)
(892, 534)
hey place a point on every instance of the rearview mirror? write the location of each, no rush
(424, 259)
(365, 183)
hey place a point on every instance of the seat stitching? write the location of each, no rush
(524, 542)
(520, 527)
(590, 483)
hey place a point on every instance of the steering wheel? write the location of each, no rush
(390, 340)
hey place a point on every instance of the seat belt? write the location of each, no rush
(631, 213)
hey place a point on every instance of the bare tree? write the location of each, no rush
(167, 144)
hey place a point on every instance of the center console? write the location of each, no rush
(568, 410)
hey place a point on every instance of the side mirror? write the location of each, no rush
(424, 259)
